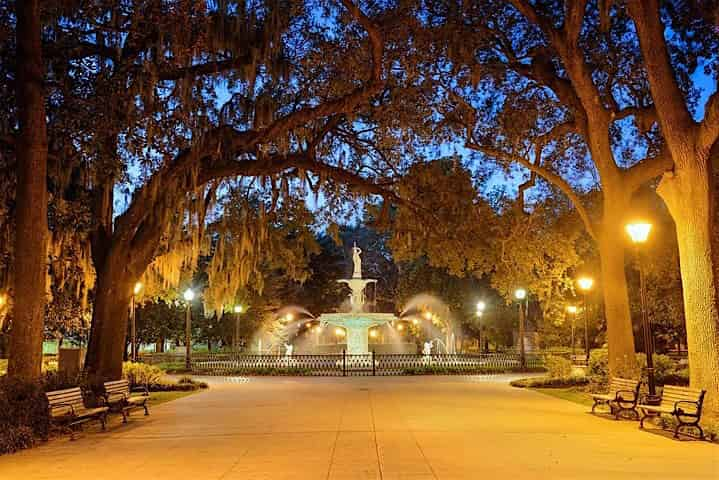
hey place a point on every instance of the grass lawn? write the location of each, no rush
(157, 398)
(571, 394)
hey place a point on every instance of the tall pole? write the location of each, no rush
(236, 336)
(573, 341)
(133, 331)
(647, 332)
(522, 360)
(586, 328)
(188, 328)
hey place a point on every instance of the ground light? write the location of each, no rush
(639, 233)
(585, 285)
(188, 295)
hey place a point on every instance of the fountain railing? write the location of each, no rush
(237, 363)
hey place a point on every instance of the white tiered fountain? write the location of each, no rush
(356, 322)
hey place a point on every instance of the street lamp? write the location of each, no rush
(188, 295)
(639, 233)
(585, 285)
(521, 294)
(238, 309)
(133, 326)
(572, 311)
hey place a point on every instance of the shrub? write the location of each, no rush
(141, 374)
(598, 370)
(551, 382)
(192, 385)
(54, 380)
(664, 368)
(558, 367)
(24, 414)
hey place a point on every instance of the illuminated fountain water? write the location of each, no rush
(356, 322)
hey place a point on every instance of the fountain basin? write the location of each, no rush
(357, 326)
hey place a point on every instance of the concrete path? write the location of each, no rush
(367, 428)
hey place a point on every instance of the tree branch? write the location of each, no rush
(674, 116)
(346, 103)
(546, 174)
(648, 169)
(709, 128)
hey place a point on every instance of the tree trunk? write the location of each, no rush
(688, 196)
(31, 199)
(113, 291)
(611, 243)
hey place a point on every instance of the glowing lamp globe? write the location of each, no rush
(585, 283)
(138, 288)
(481, 306)
(189, 295)
(571, 309)
(238, 309)
(520, 294)
(639, 232)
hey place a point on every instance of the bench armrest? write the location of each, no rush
(632, 393)
(63, 404)
(679, 411)
(144, 390)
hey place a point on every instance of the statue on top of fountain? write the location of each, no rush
(357, 261)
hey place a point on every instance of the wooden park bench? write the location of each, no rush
(623, 396)
(684, 404)
(68, 410)
(119, 397)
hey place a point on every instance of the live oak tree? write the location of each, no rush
(267, 133)
(135, 107)
(687, 188)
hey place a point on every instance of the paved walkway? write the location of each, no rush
(367, 428)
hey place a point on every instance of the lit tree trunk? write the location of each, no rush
(31, 199)
(113, 291)
(688, 196)
(611, 243)
(687, 191)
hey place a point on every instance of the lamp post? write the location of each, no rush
(585, 285)
(133, 326)
(480, 311)
(572, 311)
(189, 295)
(639, 233)
(521, 294)
(236, 337)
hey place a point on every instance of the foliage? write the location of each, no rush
(558, 367)
(141, 374)
(24, 414)
(551, 382)
(448, 370)
(666, 370)
(185, 384)
(448, 211)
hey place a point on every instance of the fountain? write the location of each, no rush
(356, 322)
